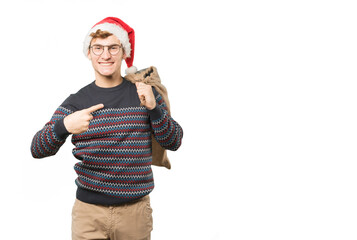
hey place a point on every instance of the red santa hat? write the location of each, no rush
(122, 31)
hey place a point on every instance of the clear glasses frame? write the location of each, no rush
(98, 49)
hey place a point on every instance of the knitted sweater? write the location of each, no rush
(115, 152)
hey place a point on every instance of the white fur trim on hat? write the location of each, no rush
(119, 32)
(132, 69)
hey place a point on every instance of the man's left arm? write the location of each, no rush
(168, 133)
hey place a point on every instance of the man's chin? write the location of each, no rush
(107, 74)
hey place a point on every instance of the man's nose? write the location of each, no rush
(106, 53)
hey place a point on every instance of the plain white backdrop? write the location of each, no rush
(264, 90)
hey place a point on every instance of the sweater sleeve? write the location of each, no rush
(167, 132)
(52, 136)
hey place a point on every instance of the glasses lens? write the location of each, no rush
(114, 49)
(97, 49)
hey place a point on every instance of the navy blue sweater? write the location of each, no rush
(115, 152)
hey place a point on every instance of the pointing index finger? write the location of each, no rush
(94, 108)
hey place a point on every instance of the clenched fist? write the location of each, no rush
(146, 95)
(78, 122)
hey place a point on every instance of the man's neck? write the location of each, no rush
(108, 82)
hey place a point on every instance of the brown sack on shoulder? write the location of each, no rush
(151, 77)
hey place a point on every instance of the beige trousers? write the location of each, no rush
(131, 221)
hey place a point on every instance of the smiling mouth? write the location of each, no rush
(106, 63)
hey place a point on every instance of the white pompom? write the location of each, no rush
(132, 69)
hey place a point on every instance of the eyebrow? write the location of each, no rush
(106, 45)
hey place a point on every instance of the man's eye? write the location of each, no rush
(114, 47)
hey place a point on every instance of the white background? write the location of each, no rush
(264, 90)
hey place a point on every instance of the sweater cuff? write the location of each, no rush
(60, 130)
(155, 113)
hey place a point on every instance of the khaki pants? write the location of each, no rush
(131, 221)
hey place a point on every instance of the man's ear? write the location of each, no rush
(89, 56)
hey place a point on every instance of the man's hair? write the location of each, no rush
(100, 34)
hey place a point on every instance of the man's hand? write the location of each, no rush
(78, 122)
(145, 93)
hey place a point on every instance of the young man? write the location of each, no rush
(112, 138)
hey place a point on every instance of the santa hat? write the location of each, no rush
(122, 31)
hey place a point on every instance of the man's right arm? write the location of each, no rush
(52, 136)
(64, 122)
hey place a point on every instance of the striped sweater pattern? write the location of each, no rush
(115, 152)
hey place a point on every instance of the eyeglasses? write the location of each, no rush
(99, 49)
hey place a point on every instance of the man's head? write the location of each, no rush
(106, 53)
(113, 29)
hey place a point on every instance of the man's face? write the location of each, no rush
(106, 64)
